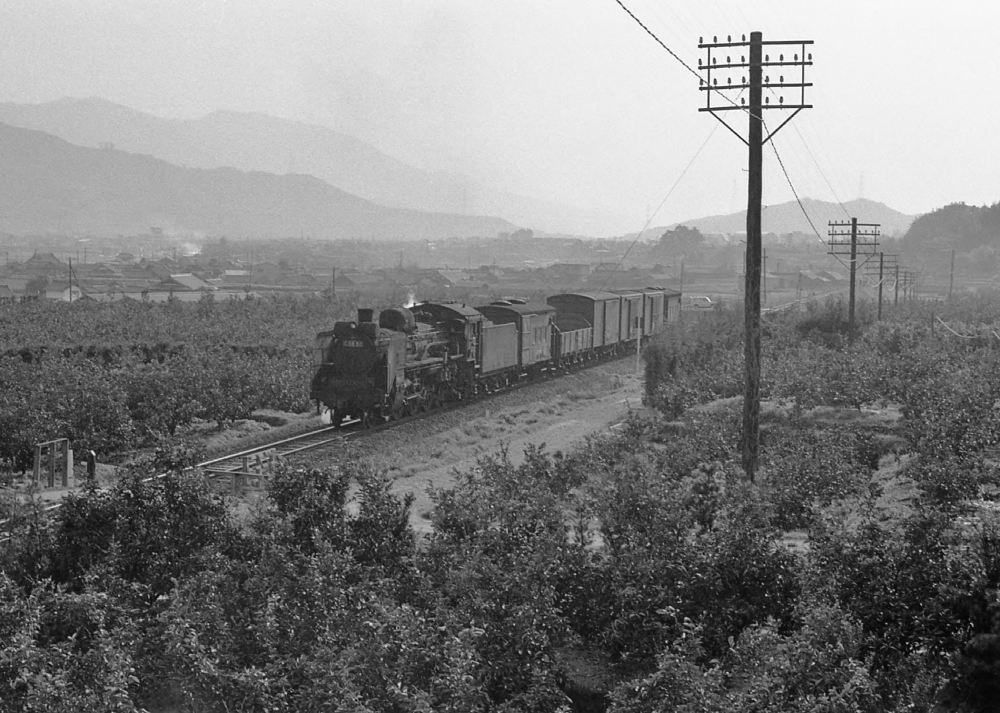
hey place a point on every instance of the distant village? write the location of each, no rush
(508, 264)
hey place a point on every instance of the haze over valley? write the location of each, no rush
(52, 186)
(91, 166)
(255, 142)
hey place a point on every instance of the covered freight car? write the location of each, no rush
(533, 321)
(672, 306)
(653, 310)
(602, 310)
(631, 327)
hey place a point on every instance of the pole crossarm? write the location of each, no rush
(860, 243)
(859, 238)
(889, 262)
(734, 81)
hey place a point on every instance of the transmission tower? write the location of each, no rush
(726, 96)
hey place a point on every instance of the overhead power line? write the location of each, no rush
(821, 172)
(658, 40)
(733, 102)
(796, 193)
(652, 215)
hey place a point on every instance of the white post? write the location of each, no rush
(638, 343)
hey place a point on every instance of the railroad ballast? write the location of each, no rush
(414, 359)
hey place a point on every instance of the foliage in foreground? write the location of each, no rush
(646, 550)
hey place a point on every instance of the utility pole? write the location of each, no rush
(885, 264)
(755, 140)
(869, 234)
(638, 344)
(951, 276)
(881, 265)
(763, 273)
(854, 272)
(909, 283)
(895, 297)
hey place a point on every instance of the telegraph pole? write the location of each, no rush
(885, 265)
(755, 140)
(881, 266)
(763, 273)
(854, 272)
(951, 275)
(869, 234)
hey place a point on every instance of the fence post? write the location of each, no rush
(38, 462)
(69, 463)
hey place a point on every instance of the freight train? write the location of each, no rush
(414, 359)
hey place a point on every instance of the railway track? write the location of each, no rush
(235, 463)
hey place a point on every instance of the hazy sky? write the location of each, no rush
(561, 99)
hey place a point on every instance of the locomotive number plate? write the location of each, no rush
(352, 343)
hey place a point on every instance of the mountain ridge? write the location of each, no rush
(787, 218)
(48, 184)
(255, 141)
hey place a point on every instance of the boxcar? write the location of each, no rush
(602, 310)
(631, 321)
(672, 306)
(654, 310)
(534, 326)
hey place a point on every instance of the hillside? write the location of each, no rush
(784, 218)
(50, 185)
(258, 142)
(957, 226)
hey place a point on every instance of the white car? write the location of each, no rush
(698, 302)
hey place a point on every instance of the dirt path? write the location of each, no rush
(559, 414)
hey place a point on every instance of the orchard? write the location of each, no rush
(859, 572)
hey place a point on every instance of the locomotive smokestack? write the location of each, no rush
(365, 315)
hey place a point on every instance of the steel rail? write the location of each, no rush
(351, 433)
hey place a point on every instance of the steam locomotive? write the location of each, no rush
(413, 359)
